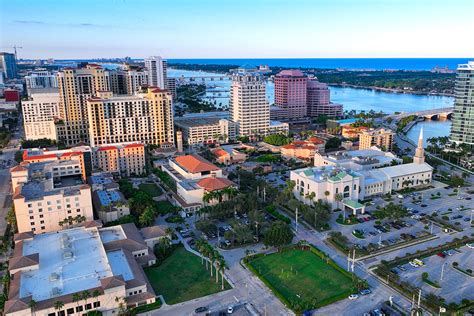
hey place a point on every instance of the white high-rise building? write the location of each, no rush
(156, 67)
(462, 129)
(39, 114)
(248, 104)
(41, 79)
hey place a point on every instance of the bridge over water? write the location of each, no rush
(438, 113)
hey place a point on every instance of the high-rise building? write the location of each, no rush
(39, 115)
(8, 65)
(380, 137)
(145, 117)
(136, 77)
(76, 86)
(318, 100)
(118, 82)
(156, 68)
(171, 86)
(40, 80)
(290, 93)
(248, 105)
(462, 130)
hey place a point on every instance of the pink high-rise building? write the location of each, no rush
(318, 100)
(290, 93)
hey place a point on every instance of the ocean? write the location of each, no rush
(333, 63)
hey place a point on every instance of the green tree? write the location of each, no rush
(333, 143)
(278, 235)
(58, 305)
(276, 139)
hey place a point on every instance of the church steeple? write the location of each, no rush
(419, 157)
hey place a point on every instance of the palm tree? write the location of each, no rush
(58, 305)
(76, 298)
(338, 197)
(211, 256)
(32, 304)
(96, 293)
(85, 295)
(222, 267)
(208, 197)
(326, 194)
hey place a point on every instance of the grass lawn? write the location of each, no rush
(151, 189)
(302, 278)
(182, 277)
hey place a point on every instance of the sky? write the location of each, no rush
(64, 29)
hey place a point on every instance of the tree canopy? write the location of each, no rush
(276, 139)
(279, 234)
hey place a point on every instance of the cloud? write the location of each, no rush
(86, 25)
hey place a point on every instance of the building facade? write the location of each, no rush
(41, 80)
(39, 116)
(319, 102)
(380, 137)
(290, 93)
(157, 71)
(8, 65)
(462, 129)
(76, 86)
(50, 195)
(146, 117)
(248, 105)
(205, 128)
(125, 160)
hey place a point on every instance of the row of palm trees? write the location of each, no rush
(70, 221)
(213, 258)
(218, 195)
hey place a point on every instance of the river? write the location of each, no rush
(351, 98)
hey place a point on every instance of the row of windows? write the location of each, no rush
(78, 309)
(57, 202)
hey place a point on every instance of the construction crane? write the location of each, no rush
(15, 48)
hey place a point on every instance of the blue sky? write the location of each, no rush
(238, 29)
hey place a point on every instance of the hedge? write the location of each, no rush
(272, 211)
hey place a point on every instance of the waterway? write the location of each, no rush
(352, 99)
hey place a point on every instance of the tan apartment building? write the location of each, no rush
(39, 115)
(248, 105)
(146, 117)
(50, 195)
(76, 86)
(380, 137)
(205, 128)
(125, 159)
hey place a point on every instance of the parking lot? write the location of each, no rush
(455, 285)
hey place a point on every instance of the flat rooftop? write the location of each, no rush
(196, 121)
(111, 234)
(108, 197)
(70, 262)
(118, 262)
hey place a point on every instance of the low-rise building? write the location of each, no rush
(50, 195)
(154, 234)
(380, 137)
(205, 128)
(109, 203)
(53, 267)
(194, 177)
(349, 131)
(229, 154)
(304, 150)
(345, 181)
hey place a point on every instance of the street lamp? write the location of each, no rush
(442, 271)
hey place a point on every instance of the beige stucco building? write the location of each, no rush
(126, 159)
(146, 117)
(380, 137)
(39, 115)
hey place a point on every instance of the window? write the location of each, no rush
(88, 306)
(79, 309)
(32, 217)
(70, 311)
(32, 223)
(96, 304)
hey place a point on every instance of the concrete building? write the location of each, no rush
(205, 128)
(342, 182)
(52, 267)
(109, 203)
(351, 132)
(41, 79)
(380, 137)
(290, 93)
(462, 129)
(8, 66)
(157, 69)
(304, 150)
(124, 159)
(146, 117)
(248, 105)
(171, 86)
(76, 86)
(229, 154)
(40, 114)
(318, 100)
(47, 194)
(194, 176)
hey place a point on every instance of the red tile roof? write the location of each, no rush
(134, 145)
(316, 141)
(107, 148)
(213, 183)
(220, 152)
(195, 163)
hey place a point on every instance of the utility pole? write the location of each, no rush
(264, 194)
(431, 229)
(353, 260)
(348, 260)
(419, 298)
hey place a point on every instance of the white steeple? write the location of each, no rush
(419, 157)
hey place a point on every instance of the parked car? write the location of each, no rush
(230, 309)
(201, 309)
(470, 246)
(402, 268)
(365, 292)
(353, 296)
(440, 254)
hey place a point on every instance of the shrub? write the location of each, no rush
(455, 264)
(424, 275)
(469, 271)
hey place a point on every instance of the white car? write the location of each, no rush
(353, 296)
(470, 246)
(230, 309)
(413, 264)
(400, 196)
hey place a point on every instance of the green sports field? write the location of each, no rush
(302, 278)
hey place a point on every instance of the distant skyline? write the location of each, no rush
(238, 29)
